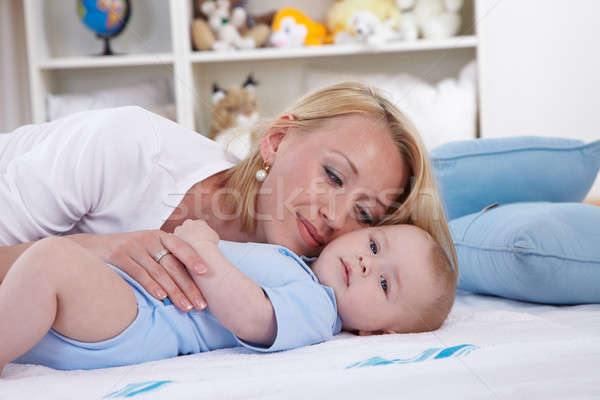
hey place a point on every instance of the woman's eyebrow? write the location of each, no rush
(352, 166)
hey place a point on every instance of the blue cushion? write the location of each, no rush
(474, 173)
(540, 252)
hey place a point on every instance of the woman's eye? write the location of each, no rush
(364, 216)
(373, 246)
(333, 177)
(383, 283)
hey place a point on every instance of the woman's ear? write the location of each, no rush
(269, 144)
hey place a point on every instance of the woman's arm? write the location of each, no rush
(132, 252)
(55, 174)
(235, 299)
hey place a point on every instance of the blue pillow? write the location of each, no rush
(474, 173)
(540, 252)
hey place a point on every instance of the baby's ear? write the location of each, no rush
(380, 332)
(370, 333)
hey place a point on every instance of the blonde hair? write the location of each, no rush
(419, 204)
(433, 314)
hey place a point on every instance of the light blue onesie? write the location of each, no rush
(305, 310)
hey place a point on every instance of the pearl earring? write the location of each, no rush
(261, 174)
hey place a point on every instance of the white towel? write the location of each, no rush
(507, 349)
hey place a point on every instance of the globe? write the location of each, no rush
(107, 18)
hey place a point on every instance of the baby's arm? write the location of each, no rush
(235, 299)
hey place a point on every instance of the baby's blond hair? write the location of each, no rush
(431, 315)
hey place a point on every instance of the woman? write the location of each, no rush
(341, 158)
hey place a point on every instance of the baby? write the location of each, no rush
(63, 307)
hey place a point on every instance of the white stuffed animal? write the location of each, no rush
(226, 25)
(431, 19)
(290, 34)
(366, 27)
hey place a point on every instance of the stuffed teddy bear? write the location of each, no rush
(430, 19)
(348, 17)
(234, 112)
(365, 27)
(292, 28)
(225, 23)
(203, 37)
(254, 27)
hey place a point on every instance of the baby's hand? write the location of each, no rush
(196, 232)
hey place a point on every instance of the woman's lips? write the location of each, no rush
(308, 232)
(345, 272)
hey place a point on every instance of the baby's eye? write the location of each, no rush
(333, 177)
(373, 246)
(383, 283)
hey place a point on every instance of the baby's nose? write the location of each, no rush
(363, 266)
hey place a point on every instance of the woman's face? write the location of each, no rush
(339, 177)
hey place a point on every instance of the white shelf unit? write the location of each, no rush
(114, 61)
(457, 42)
(59, 47)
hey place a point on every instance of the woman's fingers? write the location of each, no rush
(141, 276)
(134, 254)
(181, 264)
(183, 252)
(178, 283)
(160, 274)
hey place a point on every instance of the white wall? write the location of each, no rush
(540, 65)
(148, 30)
(14, 84)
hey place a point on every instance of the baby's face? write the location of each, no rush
(380, 277)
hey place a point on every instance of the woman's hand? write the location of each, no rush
(133, 252)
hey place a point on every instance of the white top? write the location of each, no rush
(103, 171)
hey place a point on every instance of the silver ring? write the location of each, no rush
(161, 254)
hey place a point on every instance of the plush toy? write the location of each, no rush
(349, 17)
(430, 19)
(234, 112)
(225, 23)
(256, 27)
(365, 27)
(260, 33)
(292, 28)
(203, 37)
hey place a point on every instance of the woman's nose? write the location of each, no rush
(335, 220)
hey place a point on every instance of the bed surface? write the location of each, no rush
(489, 348)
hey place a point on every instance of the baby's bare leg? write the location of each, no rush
(58, 284)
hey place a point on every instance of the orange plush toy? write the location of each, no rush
(292, 28)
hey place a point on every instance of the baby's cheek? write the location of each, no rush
(352, 310)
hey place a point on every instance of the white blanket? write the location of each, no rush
(489, 348)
